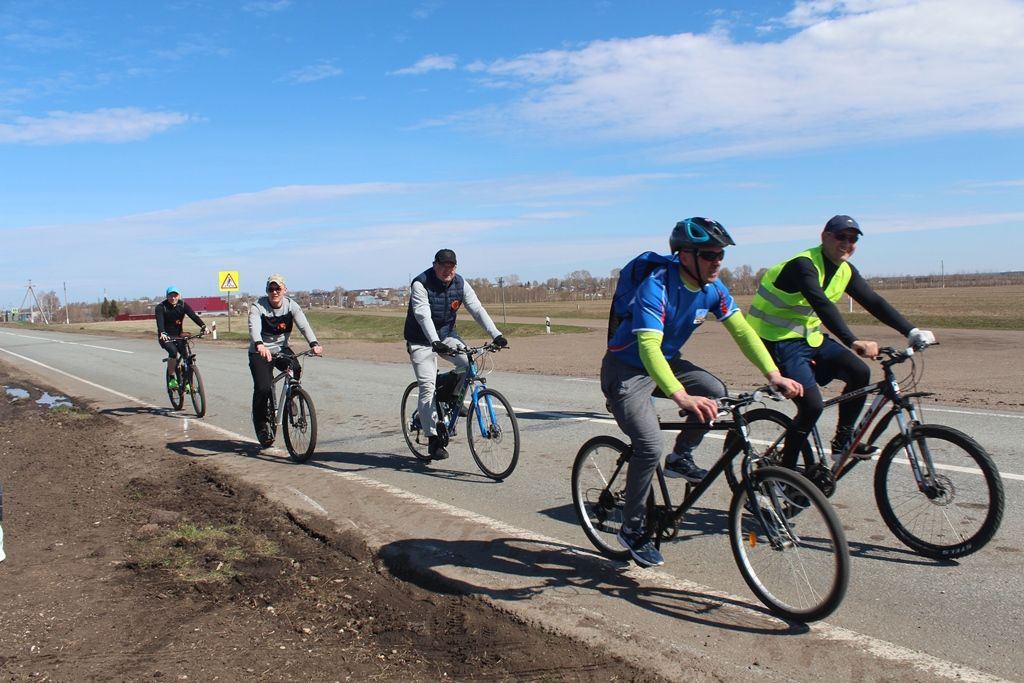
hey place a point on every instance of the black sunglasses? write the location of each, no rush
(843, 237)
(273, 289)
(713, 256)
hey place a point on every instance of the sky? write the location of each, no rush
(341, 143)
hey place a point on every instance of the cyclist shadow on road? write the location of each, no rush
(125, 411)
(456, 467)
(200, 448)
(513, 569)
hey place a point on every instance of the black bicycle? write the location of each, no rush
(491, 425)
(187, 378)
(936, 488)
(786, 539)
(297, 418)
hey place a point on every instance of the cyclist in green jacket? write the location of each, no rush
(794, 300)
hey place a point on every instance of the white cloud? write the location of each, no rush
(313, 72)
(428, 63)
(852, 70)
(103, 125)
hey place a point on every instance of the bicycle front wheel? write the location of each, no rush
(299, 425)
(177, 395)
(599, 492)
(962, 503)
(767, 430)
(789, 545)
(197, 392)
(493, 434)
(410, 419)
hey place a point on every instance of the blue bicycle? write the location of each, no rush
(492, 429)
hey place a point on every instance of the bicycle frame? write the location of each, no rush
(669, 518)
(288, 381)
(473, 383)
(887, 391)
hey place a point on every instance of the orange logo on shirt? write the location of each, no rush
(456, 304)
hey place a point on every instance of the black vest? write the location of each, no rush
(445, 302)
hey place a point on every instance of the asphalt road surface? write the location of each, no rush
(517, 542)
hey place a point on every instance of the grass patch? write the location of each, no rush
(203, 554)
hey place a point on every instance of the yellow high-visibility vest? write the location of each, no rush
(776, 315)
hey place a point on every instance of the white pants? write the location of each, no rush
(424, 366)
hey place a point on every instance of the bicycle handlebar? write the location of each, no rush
(896, 356)
(188, 337)
(281, 354)
(489, 347)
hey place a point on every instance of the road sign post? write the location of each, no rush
(227, 281)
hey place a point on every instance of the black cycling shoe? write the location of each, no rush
(265, 436)
(436, 450)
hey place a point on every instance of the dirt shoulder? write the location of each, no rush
(127, 561)
(972, 368)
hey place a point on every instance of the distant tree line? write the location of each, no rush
(579, 285)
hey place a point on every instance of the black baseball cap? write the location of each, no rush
(840, 223)
(445, 256)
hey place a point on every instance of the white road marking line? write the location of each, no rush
(59, 341)
(880, 648)
(309, 500)
(981, 413)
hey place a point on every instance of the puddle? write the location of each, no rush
(16, 392)
(54, 401)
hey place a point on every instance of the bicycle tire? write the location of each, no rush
(197, 392)
(944, 525)
(177, 396)
(796, 561)
(765, 429)
(491, 450)
(598, 492)
(299, 425)
(409, 417)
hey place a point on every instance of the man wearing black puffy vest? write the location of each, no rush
(436, 295)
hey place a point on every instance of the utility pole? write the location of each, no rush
(31, 311)
(501, 288)
(67, 315)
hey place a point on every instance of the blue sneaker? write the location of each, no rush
(644, 552)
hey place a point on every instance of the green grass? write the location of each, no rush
(203, 554)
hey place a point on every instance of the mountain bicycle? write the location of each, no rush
(786, 539)
(937, 489)
(187, 378)
(297, 418)
(492, 429)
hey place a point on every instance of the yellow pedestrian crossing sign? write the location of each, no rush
(228, 280)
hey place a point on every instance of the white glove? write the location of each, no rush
(918, 339)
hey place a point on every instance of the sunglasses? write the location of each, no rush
(713, 256)
(271, 290)
(842, 237)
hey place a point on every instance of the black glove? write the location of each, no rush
(440, 347)
(500, 341)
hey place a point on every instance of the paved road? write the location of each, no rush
(517, 542)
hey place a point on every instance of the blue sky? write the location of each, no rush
(342, 143)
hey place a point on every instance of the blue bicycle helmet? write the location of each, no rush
(697, 232)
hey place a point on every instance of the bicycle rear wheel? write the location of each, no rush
(961, 510)
(299, 425)
(177, 395)
(197, 392)
(599, 492)
(410, 419)
(789, 545)
(495, 446)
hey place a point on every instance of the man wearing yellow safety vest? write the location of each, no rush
(794, 300)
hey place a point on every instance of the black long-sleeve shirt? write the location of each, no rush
(800, 275)
(169, 319)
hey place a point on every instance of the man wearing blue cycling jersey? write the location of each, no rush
(643, 358)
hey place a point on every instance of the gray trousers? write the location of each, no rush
(629, 391)
(424, 366)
